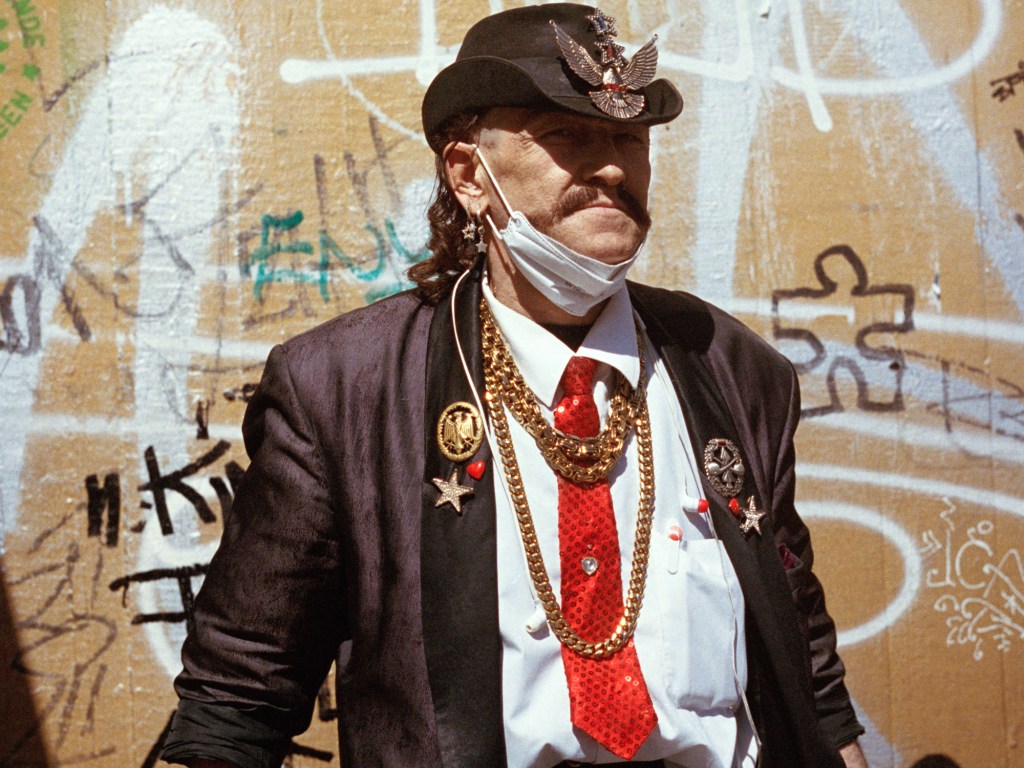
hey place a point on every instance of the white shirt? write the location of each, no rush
(689, 634)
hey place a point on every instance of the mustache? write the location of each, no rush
(582, 196)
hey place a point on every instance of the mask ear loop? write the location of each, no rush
(497, 188)
(539, 617)
(490, 176)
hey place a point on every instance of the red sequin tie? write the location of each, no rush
(608, 698)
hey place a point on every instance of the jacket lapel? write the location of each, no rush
(777, 651)
(706, 415)
(458, 567)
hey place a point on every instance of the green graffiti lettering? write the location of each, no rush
(21, 101)
(272, 228)
(8, 115)
(28, 20)
(268, 273)
(329, 248)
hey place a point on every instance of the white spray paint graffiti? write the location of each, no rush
(904, 544)
(734, 92)
(985, 598)
(1001, 577)
(974, 615)
(937, 117)
(165, 110)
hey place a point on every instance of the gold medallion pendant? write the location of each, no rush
(460, 431)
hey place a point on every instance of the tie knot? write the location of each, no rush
(578, 378)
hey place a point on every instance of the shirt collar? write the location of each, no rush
(541, 357)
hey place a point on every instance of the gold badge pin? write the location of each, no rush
(460, 431)
(723, 465)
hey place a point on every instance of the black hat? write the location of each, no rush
(520, 58)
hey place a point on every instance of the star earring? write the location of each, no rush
(473, 232)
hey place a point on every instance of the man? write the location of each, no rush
(540, 518)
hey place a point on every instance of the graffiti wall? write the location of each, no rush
(184, 183)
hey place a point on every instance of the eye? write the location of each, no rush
(630, 137)
(560, 133)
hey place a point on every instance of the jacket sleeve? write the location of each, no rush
(270, 615)
(832, 700)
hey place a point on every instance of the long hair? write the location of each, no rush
(450, 253)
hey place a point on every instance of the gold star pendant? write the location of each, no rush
(451, 491)
(752, 517)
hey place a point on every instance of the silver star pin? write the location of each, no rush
(752, 517)
(451, 491)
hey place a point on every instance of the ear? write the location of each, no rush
(460, 169)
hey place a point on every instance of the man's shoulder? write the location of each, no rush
(387, 321)
(700, 321)
(363, 342)
(697, 325)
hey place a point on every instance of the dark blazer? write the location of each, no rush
(334, 549)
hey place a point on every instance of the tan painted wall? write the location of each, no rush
(184, 183)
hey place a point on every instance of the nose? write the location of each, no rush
(605, 164)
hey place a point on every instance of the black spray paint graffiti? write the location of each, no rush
(22, 336)
(882, 357)
(183, 575)
(108, 497)
(50, 625)
(159, 484)
(973, 397)
(20, 299)
(45, 627)
(1004, 85)
(22, 328)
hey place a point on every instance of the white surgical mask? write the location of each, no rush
(568, 279)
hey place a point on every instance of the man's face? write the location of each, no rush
(580, 180)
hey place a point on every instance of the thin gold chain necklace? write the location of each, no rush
(534, 559)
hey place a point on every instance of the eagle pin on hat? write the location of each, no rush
(617, 77)
(561, 56)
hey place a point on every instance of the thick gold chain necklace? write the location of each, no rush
(534, 559)
(580, 459)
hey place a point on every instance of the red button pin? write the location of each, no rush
(476, 469)
(675, 534)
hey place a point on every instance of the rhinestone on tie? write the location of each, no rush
(589, 565)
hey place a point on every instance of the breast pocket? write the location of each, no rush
(701, 608)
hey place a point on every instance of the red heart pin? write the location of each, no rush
(476, 469)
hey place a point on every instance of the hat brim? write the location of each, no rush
(478, 83)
